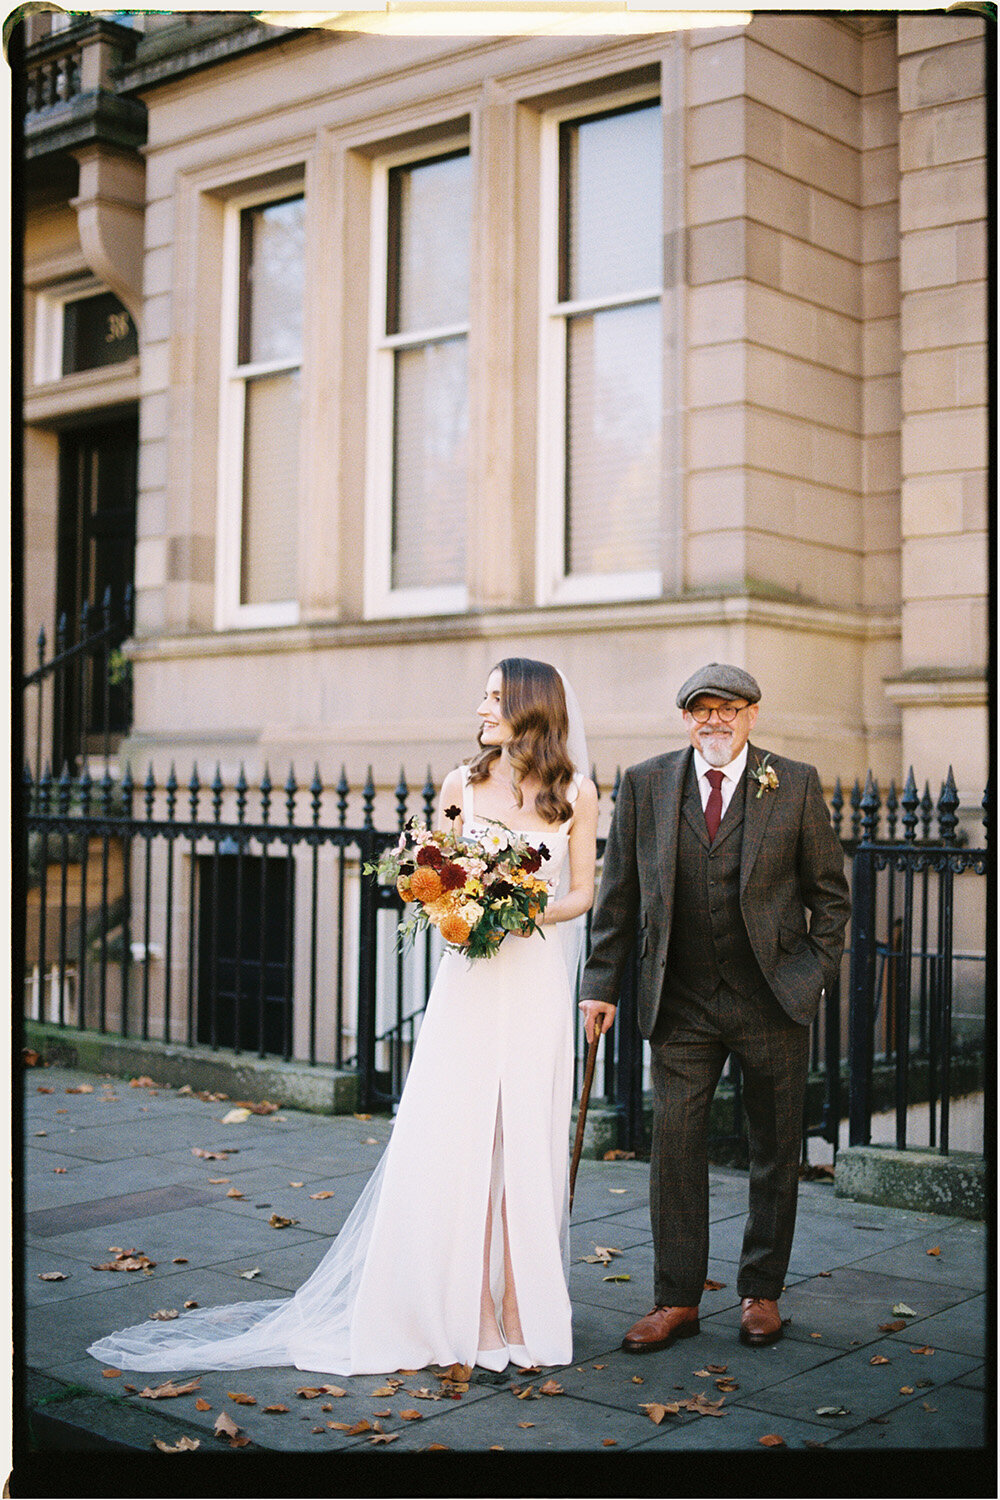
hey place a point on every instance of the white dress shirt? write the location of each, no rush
(730, 776)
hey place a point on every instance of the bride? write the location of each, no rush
(457, 1249)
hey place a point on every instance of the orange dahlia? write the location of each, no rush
(403, 887)
(425, 884)
(454, 928)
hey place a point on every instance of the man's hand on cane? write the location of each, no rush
(591, 1010)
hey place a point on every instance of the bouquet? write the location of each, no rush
(473, 890)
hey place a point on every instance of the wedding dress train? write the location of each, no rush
(484, 1117)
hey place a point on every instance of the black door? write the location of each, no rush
(245, 913)
(96, 552)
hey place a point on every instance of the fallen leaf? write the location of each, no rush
(927, 1406)
(893, 1327)
(704, 1406)
(338, 1426)
(600, 1367)
(213, 1155)
(812, 1443)
(179, 1260)
(236, 1116)
(388, 1390)
(525, 1424)
(710, 1370)
(202, 1405)
(623, 1276)
(496, 1448)
(727, 1384)
(44, 1089)
(241, 1398)
(225, 1426)
(218, 1181)
(919, 1383)
(832, 1411)
(276, 1407)
(616, 1155)
(906, 1390)
(161, 1392)
(551, 1388)
(878, 1359)
(60, 1171)
(264, 1107)
(523, 1392)
(324, 1194)
(771, 1440)
(129, 1390)
(902, 1311)
(110, 1374)
(638, 1379)
(296, 1184)
(277, 1222)
(82, 1088)
(52, 1276)
(141, 1083)
(362, 1117)
(164, 1315)
(714, 1286)
(457, 1374)
(922, 1349)
(657, 1410)
(815, 1335)
(182, 1445)
(372, 1140)
(824, 1273)
(383, 1437)
(609, 1442)
(617, 1190)
(936, 1250)
(357, 1427)
(436, 1448)
(380, 1411)
(412, 1415)
(234, 1193)
(249, 1275)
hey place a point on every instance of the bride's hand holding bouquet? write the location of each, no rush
(475, 891)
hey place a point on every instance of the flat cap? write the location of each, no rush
(719, 680)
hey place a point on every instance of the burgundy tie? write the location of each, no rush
(713, 807)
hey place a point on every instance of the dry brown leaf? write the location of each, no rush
(339, 1426)
(714, 1286)
(927, 1406)
(249, 1275)
(265, 1107)
(60, 1171)
(383, 1437)
(412, 1415)
(496, 1448)
(617, 1190)
(234, 1193)
(657, 1410)
(218, 1181)
(893, 1327)
(324, 1194)
(922, 1349)
(277, 1222)
(164, 1315)
(388, 1390)
(130, 1390)
(296, 1184)
(704, 1406)
(241, 1398)
(53, 1276)
(525, 1424)
(726, 1384)
(380, 1411)
(638, 1379)
(225, 1426)
(190, 1303)
(936, 1250)
(824, 1273)
(771, 1440)
(182, 1445)
(276, 1407)
(436, 1448)
(358, 1427)
(422, 1394)
(878, 1359)
(609, 1442)
(82, 1088)
(522, 1392)
(110, 1374)
(179, 1260)
(144, 1082)
(906, 1390)
(202, 1405)
(456, 1374)
(204, 1155)
(168, 1388)
(616, 1155)
(551, 1388)
(44, 1089)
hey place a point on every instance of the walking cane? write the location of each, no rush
(581, 1119)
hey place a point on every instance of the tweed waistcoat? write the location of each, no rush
(708, 937)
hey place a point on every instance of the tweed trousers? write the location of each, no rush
(693, 1037)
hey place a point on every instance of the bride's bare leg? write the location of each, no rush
(509, 1309)
(490, 1336)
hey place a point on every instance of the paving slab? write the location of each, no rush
(960, 1259)
(961, 1327)
(950, 1416)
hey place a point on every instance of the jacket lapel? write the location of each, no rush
(756, 815)
(668, 798)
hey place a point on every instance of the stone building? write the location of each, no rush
(379, 357)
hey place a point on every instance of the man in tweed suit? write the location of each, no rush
(716, 855)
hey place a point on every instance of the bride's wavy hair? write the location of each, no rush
(533, 702)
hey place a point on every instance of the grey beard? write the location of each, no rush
(719, 754)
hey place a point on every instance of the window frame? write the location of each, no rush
(553, 585)
(381, 599)
(234, 377)
(50, 312)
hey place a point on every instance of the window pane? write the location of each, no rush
(613, 426)
(97, 331)
(430, 460)
(271, 252)
(270, 489)
(429, 226)
(612, 187)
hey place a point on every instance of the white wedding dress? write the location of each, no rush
(485, 1111)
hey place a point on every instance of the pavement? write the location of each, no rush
(111, 1167)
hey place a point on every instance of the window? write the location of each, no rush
(80, 327)
(419, 413)
(258, 552)
(601, 407)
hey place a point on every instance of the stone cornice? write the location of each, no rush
(569, 620)
(946, 687)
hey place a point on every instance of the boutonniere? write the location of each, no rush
(765, 776)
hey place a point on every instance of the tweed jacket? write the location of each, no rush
(791, 865)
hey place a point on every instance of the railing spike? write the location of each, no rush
(402, 796)
(241, 794)
(926, 810)
(910, 803)
(948, 804)
(428, 793)
(870, 805)
(837, 807)
(343, 792)
(150, 790)
(217, 790)
(368, 801)
(316, 794)
(194, 787)
(65, 790)
(892, 809)
(291, 787)
(266, 789)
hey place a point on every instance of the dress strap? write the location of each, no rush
(468, 811)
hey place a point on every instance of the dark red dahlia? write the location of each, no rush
(452, 877)
(431, 855)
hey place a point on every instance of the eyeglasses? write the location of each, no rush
(727, 713)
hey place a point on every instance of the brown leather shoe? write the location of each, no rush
(659, 1328)
(760, 1321)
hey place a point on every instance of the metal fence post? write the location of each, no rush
(367, 972)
